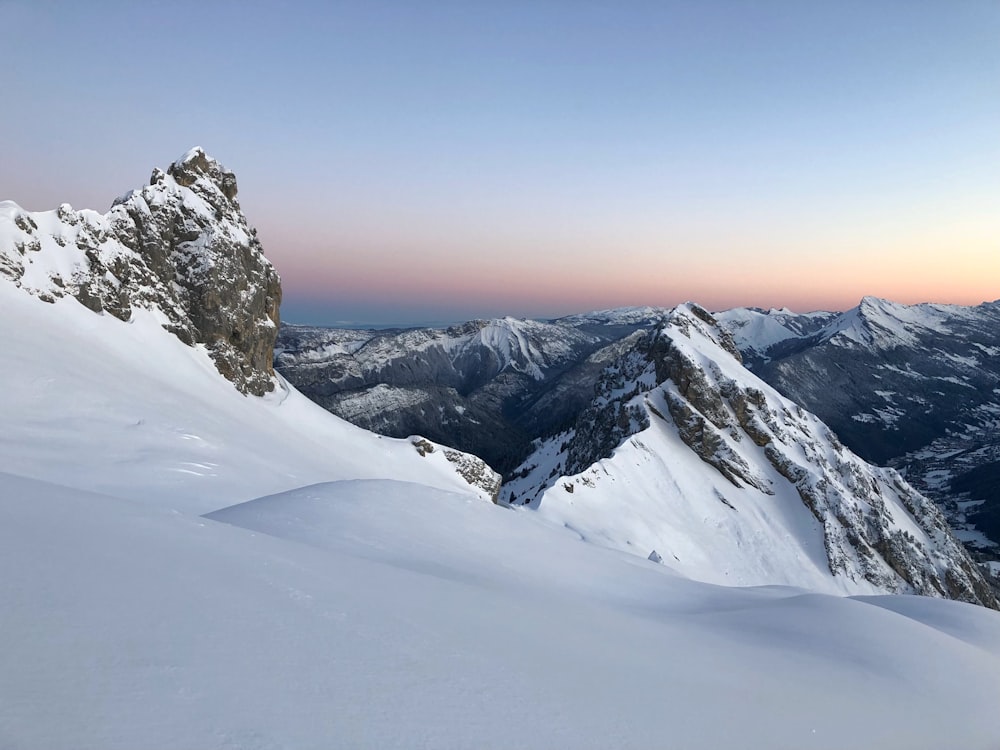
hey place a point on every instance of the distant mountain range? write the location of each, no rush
(914, 387)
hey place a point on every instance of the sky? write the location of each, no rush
(415, 162)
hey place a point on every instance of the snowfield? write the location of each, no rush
(188, 567)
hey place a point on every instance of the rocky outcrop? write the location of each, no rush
(471, 468)
(179, 246)
(871, 518)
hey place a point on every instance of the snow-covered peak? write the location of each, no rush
(526, 346)
(687, 453)
(203, 174)
(180, 247)
(758, 332)
(880, 324)
(695, 322)
(460, 356)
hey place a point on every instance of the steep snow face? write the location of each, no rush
(179, 247)
(126, 409)
(728, 481)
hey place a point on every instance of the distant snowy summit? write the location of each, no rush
(180, 246)
(874, 325)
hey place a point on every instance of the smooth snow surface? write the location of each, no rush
(371, 615)
(128, 410)
(343, 591)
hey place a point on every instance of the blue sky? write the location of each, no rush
(416, 161)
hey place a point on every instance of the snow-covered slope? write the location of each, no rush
(187, 566)
(637, 317)
(914, 386)
(728, 481)
(377, 609)
(460, 356)
(370, 616)
(761, 334)
(881, 324)
(127, 409)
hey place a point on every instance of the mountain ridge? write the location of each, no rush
(764, 452)
(913, 386)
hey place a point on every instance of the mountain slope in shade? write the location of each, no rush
(475, 386)
(914, 386)
(723, 478)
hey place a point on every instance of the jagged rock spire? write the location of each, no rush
(180, 246)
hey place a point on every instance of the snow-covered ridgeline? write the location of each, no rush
(729, 481)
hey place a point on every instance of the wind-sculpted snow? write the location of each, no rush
(91, 402)
(381, 614)
(180, 247)
(714, 470)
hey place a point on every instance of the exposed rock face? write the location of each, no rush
(471, 468)
(913, 386)
(685, 382)
(179, 246)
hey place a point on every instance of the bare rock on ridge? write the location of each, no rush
(180, 246)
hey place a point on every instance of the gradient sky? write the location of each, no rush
(437, 161)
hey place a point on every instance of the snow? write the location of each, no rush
(636, 315)
(972, 536)
(188, 567)
(880, 324)
(755, 331)
(94, 403)
(140, 627)
(656, 493)
(752, 329)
